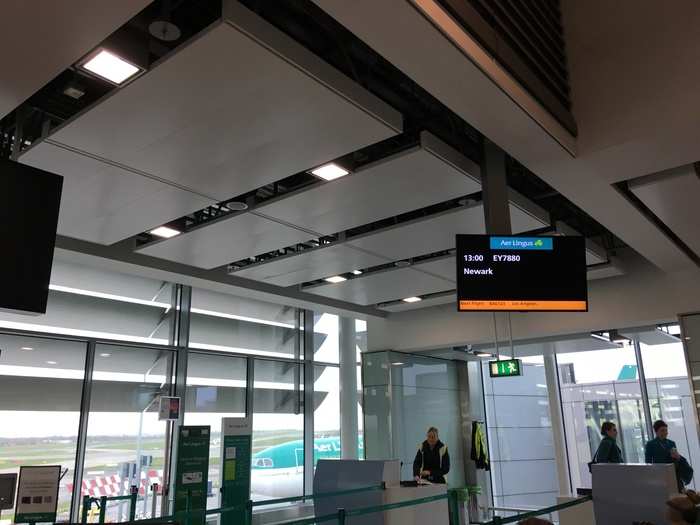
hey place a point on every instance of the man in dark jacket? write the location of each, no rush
(432, 460)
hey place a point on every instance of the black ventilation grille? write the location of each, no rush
(526, 38)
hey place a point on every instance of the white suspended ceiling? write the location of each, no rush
(312, 265)
(386, 286)
(425, 303)
(65, 32)
(437, 233)
(673, 196)
(228, 240)
(105, 203)
(419, 237)
(427, 174)
(240, 106)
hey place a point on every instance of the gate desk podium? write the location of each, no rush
(337, 475)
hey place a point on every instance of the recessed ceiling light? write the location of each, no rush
(412, 299)
(165, 232)
(105, 354)
(397, 363)
(27, 348)
(357, 272)
(109, 66)
(335, 279)
(330, 172)
(236, 206)
(51, 363)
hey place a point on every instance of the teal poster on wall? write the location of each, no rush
(192, 473)
(236, 447)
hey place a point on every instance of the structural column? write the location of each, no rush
(348, 389)
(643, 387)
(179, 336)
(557, 419)
(309, 406)
(495, 189)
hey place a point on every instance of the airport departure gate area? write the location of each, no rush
(388, 262)
(92, 394)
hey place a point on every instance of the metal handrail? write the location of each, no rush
(497, 520)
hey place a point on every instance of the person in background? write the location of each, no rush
(432, 461)
(663, 450)
(608, 451)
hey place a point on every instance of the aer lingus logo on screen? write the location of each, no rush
(521, 243)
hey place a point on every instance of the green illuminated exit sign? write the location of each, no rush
(505, 368)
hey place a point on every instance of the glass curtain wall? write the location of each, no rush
(216, 388)
(41, 383)
(126, 320)
(278, 430)
(126, 442)
(669, 390)
(599, 382)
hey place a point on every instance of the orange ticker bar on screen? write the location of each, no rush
(571, 306)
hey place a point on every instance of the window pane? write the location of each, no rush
(278, 431)
(669, 395)
(597, 385)
(228, 323)
(326, 413)
(216, 388)
(37, 428)
(91, 302)
(326, 338)
(125, 440)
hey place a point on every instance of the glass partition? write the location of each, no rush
(405, 394)
(126, 442)
(41, 383)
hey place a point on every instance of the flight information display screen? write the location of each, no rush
(511, 273)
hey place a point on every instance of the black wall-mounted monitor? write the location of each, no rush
(511, 273)
(29, 202)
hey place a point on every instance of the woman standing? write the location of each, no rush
(432, 460)
(608, 451)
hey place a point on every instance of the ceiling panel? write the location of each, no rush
(243, 235)
(445, 267)
(425, 303)
(433, 171)
(67, 33)
(651, 336)
(438, 232)
(384, 286)
(312, 265)
(193, 121)
(103, 203)
(673, 197)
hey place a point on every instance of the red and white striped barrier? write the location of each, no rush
(116, 486)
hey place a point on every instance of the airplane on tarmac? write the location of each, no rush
(278, 471)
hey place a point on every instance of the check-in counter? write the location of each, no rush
(338, 475)
(433, 513)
